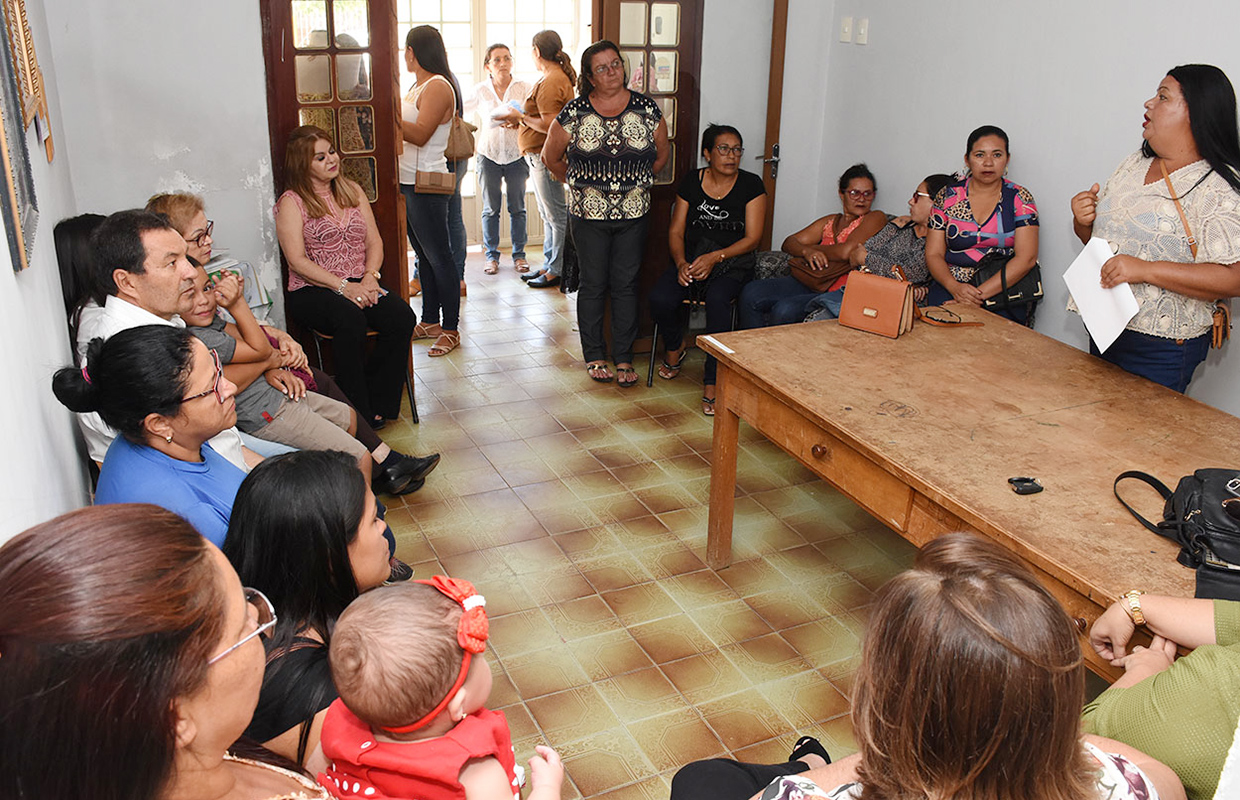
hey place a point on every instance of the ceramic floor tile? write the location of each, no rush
(579, 510)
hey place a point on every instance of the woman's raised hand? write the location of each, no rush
(1085, 206)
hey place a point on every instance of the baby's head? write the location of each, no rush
(404, 655)
(202, 312)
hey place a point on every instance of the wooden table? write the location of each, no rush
(924, 431)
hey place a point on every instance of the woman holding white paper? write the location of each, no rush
(1171, 212)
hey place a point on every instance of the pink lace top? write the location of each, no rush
(338, 247)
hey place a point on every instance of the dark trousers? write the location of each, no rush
(724, 779)
(426, 218)
(610, 254)
(373, 385)
(774, 301)
(937, 296)
(456, 219)
(328, 387)
(1168, 362)
(667, 299)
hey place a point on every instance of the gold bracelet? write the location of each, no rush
(1132, 601)
(375, 272)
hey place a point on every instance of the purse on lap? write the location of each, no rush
(876, 304)
(1025, 292)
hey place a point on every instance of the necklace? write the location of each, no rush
(721, 190)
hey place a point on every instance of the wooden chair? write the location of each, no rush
(320, 337)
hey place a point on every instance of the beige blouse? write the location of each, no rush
(309, 789)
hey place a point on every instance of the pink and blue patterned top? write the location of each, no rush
(967, 241)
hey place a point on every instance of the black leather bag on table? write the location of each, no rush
(1025, 292)
(1195, 518)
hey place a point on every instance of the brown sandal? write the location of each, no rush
(446, 343)
(424, 331)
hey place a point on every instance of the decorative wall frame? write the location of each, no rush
(18, 205)
(26, 68)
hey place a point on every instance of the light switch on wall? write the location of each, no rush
(846, 29)
(863, 30)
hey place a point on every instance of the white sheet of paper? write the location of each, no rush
(1105, 311)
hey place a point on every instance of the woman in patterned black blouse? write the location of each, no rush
(607, 146)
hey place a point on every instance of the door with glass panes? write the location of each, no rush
(334, 64)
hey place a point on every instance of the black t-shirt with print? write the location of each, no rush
(722, 221)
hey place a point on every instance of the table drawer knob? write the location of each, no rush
(1081, 624)
(819, 451)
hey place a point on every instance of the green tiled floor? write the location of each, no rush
(579, 509)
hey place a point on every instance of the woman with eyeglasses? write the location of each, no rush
(716, 224)
(980, 214)
(823, 247)
(607, 144)
(306, 531)
(130, 662)
(165, 393)
(900, 245)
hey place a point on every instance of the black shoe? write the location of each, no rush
(529, 276)
(400, 477)
(807, 745)
(378, 423)
(544, 281)
(400, 571)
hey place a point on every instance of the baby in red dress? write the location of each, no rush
(408, 663)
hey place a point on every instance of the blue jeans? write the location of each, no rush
(774, 301)
(426, 219)
(263, 447)
(829, 302)
(490, 176)
(456, 220)
(554, 210)
(1168, 362)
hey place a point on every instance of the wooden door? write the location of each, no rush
(334, 64)
(774, 102)
(661, 44)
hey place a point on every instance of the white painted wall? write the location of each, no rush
(1065, 79)
(165, 96)
(41, 473)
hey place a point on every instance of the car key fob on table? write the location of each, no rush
(1025, 485)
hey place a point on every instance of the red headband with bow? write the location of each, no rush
(471, 635)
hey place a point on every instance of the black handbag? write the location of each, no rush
(1025, 292)
(1196, 518)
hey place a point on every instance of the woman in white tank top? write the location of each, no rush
(426, 116)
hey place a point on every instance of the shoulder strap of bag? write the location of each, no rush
(1152, 481)
(1192, 243)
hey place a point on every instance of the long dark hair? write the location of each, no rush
(137, 372)
(584, 85)
(79, 279)
(971, 682)
(1211, 102)
(427, 46)
(551, 48)
(937, 182)
(289, 534)
(108, 615)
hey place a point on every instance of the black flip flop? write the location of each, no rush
(807, 745)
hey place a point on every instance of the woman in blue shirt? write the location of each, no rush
(165, 393)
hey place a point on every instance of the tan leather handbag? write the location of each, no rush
(877, 304)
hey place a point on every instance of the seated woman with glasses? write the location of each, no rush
(308, 532)
(716, 224)
(823, 247)
(130, 661)
(980, 214)
(896, 251)
(166, 394)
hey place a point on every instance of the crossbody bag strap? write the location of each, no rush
(1152, 481)
(1192, 243)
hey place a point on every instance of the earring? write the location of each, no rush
(168, 438)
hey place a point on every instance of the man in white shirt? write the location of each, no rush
(142, 266)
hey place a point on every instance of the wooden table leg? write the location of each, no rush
(722, 476)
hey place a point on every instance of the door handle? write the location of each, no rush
(773, 160)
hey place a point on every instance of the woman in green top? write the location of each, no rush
(1182, 712)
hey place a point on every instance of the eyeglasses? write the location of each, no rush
(612, 67)
(920, 194)
(265, 621)
(201, 238)
(857, 194)
(215, 387)
(723, 150)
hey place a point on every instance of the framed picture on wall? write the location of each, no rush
(18, 206)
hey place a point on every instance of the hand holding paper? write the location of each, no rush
(1105, 311)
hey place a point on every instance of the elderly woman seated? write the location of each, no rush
(130, 662)
(896, 251)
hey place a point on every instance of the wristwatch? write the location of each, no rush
(375, 272)
(1132, 600)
